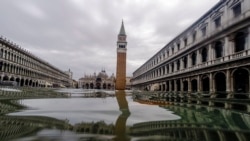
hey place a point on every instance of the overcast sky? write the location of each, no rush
(81, 35)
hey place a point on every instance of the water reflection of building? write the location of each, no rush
(99, 81)
(198, 123)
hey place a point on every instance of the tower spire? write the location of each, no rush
(122, 30)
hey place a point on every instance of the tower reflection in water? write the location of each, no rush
(120, 125)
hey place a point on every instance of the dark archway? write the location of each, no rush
(104, 86)
(193, 59)
(178, 83)
(109, 86)
(205, 84)
(185, 62)
(12, 79)
(18, 81)
(194, 85)
(185, 86)
(5, 78)
(26, 82)
(87, 86)
(218, 47)
(167, 86)
(220, 82)
(241, 81)
(239, 41)
(172, 85)
(22, 82)
(91, 86)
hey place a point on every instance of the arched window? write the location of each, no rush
(218, 49)
(194, 58)
(239, 41)
(204, 55)
(178, 64)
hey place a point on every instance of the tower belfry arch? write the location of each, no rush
(121, 59)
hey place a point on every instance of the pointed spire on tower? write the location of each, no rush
(122, 30)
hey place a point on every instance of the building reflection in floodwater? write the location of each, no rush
(196, 123)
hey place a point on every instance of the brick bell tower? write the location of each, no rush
(121, 60)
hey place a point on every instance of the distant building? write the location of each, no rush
(100, 81)
(70, 80)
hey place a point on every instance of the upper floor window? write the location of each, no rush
(193, 58)
(204, 54)
(204, 31)
(237, 10)
(217, 22)
(178, 46)
(172, 50)
(218, 49)
(239, 41)
(178, 64)
(185, 62)
(185, 41)
(194, 36)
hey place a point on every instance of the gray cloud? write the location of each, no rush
(81, 34)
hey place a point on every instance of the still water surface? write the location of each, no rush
(77, 115)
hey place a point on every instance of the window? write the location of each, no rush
(194, 59)
(237, 10)
(217, 22)
(178, 64)
(194, 36)
(218, 49)
(172, 50)
(178, 46)
(239, 41)
(203, 31)
(185, 41)
(185, 62)
(204, 54)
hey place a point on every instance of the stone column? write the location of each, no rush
(189, 64)
(175, 85)
(181, 63)
(228, 81)
(211, 83)
(198, 57)
(198, 84)
(170, 85)
(248, 39)
(210, 52)
(189, 85)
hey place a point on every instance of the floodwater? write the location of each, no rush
(82, 115)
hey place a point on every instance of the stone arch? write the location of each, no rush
(205, 83)
(26, 82)
(220, 81)
(18, 81)
(5, 78)
(240, 80)
(12, 78)
(239, 41)
(194, 85)
(30, 82)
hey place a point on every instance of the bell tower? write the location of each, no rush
(121, 60)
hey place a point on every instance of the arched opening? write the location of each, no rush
(172, 85)
(178, 83)
(91, 86)
(18, 81)
(193, 59)
(178, 64)
(22, 82)
(239, 41)
(104, 86)
(205, 84)
(220, 82)
(26, 82)
(98, 85)
(12, 79)
(167, 86)
(204, 55)
(218, 47)
(194, 85)
(241, 81)
(109, 86)
(87, 86)
(5, 78)
(164, 87)
(185, 86)
(30, 83)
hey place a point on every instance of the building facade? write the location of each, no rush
(25, 69)
(100, 81)
(212, 55)
(121, 60)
